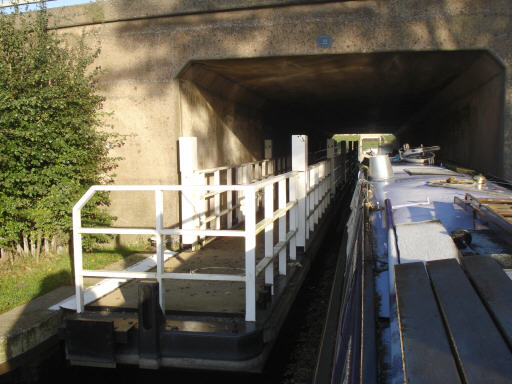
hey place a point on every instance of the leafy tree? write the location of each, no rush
(52, 146)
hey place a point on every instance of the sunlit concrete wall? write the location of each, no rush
(146, 44)
(226, 119)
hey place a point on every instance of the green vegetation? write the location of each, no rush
(28, 278)
(368, 143)
(52, 146)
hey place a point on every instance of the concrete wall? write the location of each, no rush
(466, 119)
(146, 45)
(226, 118)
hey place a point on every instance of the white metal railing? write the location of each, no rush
(301, 195)
(244, 173)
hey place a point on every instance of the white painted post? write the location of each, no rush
(282, 226)
(268, 157)
(300, 164)
(78, 260)
(268, 149)
(257, 170)
(311, 203)
(269, 235)
(216, 200)
(343, 162)
(201, 204)
(239, 194)
(250, 255)
(293, 218)
(321, 190)
(318, 193)
(229, 197)
(325, 191)
(188, 165)
(245, 174)
(314, 200)
(331, 153)
(159, 219)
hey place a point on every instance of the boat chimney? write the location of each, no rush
(380, 168)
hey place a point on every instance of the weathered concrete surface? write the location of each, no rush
(146, 47)
(29, 325)
(224, 255)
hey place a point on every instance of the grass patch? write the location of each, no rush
(387, 139)
(27, 278)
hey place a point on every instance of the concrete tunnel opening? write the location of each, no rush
(454, 99)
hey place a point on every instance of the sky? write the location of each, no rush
(65, 3)
(54, 3)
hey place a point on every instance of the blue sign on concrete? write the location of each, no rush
(324, 41)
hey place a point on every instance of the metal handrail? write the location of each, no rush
(302, 196)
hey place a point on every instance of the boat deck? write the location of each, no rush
(449, 307)
(455, 321)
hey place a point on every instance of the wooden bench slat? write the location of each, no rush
(426, 351)
(495, 289)
(482, 353)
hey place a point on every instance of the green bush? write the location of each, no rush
(52, 146)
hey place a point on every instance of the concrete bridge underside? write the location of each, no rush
(236, 72)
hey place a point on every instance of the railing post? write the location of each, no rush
(268, 149)
(250, 254)
(309, 174)
(78, 260)
(257, 173)
(245, 174)
(159, 221)
(239, 194)
(316, 200)
(201, 206)
(282, 226)
(269, 235)
(300, 164)
(323, 184)
(229, 198)
(293, 217)
(268, 156)
(343, 162)
(188, 165)
(216, 199)
(331, 167)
